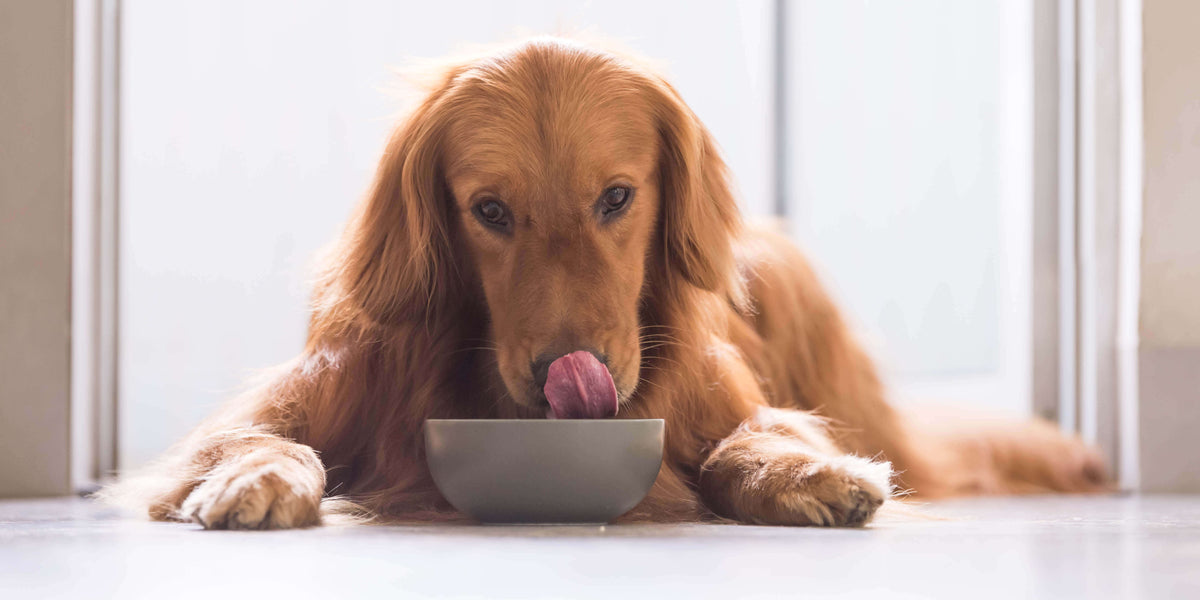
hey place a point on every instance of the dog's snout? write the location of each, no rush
(540, 367)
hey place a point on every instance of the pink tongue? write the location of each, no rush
(579, 387)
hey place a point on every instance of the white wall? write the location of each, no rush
(910, 131)
(1170, 247)
(248, 129)
(1169, 356)
(35, 247)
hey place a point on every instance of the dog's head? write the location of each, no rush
(566, 184)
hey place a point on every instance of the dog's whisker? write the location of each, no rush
(663, 358)
(660, 326)
(659, 339)
(642, 380)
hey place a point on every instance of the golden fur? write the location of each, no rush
(423, 311)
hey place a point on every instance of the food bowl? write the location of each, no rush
(544, 471)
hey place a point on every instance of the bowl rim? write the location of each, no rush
(545, 420)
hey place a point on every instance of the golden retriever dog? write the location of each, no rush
(551, 207)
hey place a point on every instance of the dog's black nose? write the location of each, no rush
(540, 369)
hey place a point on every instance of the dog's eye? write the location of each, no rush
(614, 199)
(493, 213)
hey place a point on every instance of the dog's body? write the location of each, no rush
(482, 252)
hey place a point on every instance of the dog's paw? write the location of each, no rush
(777, 480)
(772, 486)
(842, 491)
(260, 490)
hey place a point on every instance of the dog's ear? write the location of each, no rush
(393, 260)
(699, 216)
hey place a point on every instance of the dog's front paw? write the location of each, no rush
(796, 488)
(842, 491)
(260, 490)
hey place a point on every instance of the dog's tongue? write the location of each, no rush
(578, 386)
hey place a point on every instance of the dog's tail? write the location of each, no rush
(973, 452)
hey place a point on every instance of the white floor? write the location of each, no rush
(1052, 547)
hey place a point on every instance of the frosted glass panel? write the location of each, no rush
(909, 144)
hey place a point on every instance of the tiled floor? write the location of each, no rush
(1053, 547)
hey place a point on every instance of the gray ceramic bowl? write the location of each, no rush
(544, 471)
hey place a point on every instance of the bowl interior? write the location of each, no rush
(544, 471)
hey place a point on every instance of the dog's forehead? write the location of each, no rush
(571, 127)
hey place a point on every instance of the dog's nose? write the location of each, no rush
(540, 367)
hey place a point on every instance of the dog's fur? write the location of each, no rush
(423, 311)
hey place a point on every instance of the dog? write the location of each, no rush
(551, 205)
